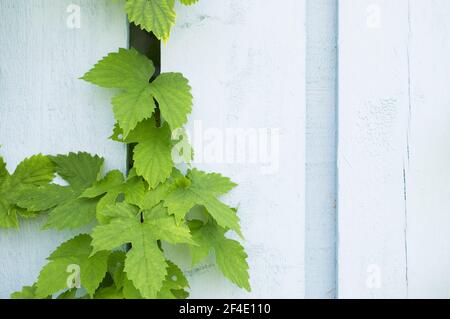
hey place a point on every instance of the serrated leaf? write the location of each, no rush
(153, 153)
(8, 216)
(145, 264)
(36, 170)
(44, 197)
(66, 209)
(27, 292)
(133, 106)
(130, 71)
(3, 171)
(155, 16)
(109, 293)
(72, 214)
(175, 284)
(230, 255)
(173, 93)
(188, 2)
(203, 190)
(80, 170)
(64, 261)
(125, 69)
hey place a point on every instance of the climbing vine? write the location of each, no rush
(135, 217)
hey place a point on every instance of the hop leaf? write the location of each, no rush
(153, 153)
(230, 255)
(32, 172)
(155, 16)
(67, 210)
(76, 253)
(188, 2)
(173, 93)
(131, 71)
(197, 188)
(145, 264)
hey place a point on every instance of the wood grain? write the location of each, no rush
(246, 64)
(44, 108)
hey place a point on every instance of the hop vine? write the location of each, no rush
(134, 217)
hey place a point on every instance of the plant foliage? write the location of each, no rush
(134, 217)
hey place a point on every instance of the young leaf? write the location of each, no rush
(125, 69)
(130, 71)
(27, 292)
(188, 2)
(35, 171)
(230, 255)
(203, 189)
(145, 264)
(3, 171)
(73, 258)
(153, 154)
(173, 93)
(155, 16)
(66, 209)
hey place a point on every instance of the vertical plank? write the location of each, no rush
(372, 148)
(321, 71)
(245, 61)
(45, 109)
(428, 168)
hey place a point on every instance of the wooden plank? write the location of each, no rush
(428, 172)
(372, 148)
(245, 61)
(45, 109)
(321, 71)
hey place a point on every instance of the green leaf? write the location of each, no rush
(65, 262)
(27, 292)
(230, 255)
(36, 170)
(66, 209)
(188, 2)
(145, 264)
(8, 215)
(133, 106)
(153, 153)
(44, 197)
(3, 171)
(155, 16)
(175, 284)
(203, 189)
(130, 71)
(109, 293)
(111, 182)
(126, 69)
(80, 170)
(72, 214)
(173, 93)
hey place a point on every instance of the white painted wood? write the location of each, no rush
(428, 170)
(246, 63)
(373, 123)
(45, 108)
(321, 71)
(394, 208)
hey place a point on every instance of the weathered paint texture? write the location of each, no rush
(321, 71)
(246, 63)
(44, 108)
(394, 150)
